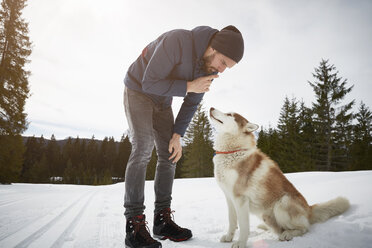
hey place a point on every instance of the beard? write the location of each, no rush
(207, 64)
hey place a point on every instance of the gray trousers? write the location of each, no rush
(149, 125)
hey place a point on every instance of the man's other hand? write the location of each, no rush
(175, 148)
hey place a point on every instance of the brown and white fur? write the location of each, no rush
(252, 182)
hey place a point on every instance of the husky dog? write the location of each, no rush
(252, 182)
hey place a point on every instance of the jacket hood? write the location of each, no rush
(202, 36)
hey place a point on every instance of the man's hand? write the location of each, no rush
(175, 148)
(200, 85)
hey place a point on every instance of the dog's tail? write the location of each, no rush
(323, 211)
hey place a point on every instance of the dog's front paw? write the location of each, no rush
(227, 238)
(285, 236)
(238, 244)
(263, 227)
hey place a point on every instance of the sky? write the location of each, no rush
(84, 216)
(82, 50)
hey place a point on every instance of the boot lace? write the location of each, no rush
(169, 219)
(140, 226)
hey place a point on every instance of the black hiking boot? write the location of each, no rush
(138, 234)
(165, 228)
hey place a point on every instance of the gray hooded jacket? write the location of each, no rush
(165, 66)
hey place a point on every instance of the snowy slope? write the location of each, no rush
(33, 215)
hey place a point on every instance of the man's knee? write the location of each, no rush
(142, 150)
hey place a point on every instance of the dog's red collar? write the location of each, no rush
(217, 152)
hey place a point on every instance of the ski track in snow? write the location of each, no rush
(7, 203)
(51, 229)
(25, 226)
(45, 215)
(40, 232)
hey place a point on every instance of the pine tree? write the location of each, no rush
(92, 160)
(107, 178)
(83, 153)
(107, 156)
(111, 154)
(15, 47)
(199, 146)
(268, 141)
(40, 171)
(69, 175)
(31, 155)
(88, 176)
(329, 117)
(123, 157)
(80, 173)
(263, 140)
(11, 158)
(288, 130)
(361, 152)
(53, 157)
(14, 50)
(67, 154)
(179, 168)
(343, 137)
(102, 158)
(76, 152)
(307, 138)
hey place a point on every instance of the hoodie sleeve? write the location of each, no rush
(156, 78)
(187, 111)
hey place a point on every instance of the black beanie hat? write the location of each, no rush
(229, 42)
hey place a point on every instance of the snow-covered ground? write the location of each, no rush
(45, 215)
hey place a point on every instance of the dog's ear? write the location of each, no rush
(251, 127)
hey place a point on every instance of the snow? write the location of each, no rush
(46, 215)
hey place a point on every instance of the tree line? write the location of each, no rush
(95, 162)
(326, 136)
(76, 161)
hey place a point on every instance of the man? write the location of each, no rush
(178, 63)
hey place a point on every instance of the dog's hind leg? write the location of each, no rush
(242, 210)
(270, 221)
(297, 226)
(292, 217)
(289, 234)
(233, 224)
